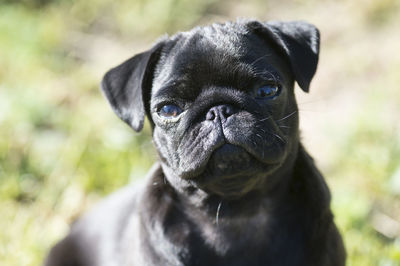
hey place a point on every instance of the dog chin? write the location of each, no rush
(231, 172)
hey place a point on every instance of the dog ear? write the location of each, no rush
(127, 85)
(299, 41)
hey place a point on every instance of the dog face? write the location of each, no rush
(221, 102)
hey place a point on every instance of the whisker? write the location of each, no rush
(289, 115)
(264, 119)
(258, 59)
(279, 137)
(267, 74)
(217, 215)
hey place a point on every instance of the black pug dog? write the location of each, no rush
(234, 185)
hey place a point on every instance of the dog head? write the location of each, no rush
(220, 100)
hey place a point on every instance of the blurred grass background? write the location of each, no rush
(62, 148)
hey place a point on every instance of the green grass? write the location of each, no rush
(62, 149)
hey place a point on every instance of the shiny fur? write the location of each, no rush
(233, 185)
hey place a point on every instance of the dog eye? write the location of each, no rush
(169, 111)
(268, 91)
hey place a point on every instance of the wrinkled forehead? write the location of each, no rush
(224, 41)
(219, 56)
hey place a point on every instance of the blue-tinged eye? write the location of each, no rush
(169, 111)
(268, 91)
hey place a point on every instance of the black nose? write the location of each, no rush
(222, 111)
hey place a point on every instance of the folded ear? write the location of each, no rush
(299, 41)
(126, 86)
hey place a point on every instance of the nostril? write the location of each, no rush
(227, 110)
(221, 111)
(211, 114)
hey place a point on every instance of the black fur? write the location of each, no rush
(234, 185)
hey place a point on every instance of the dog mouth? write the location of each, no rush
(227, 161)
(233, 148)
(229, 158)
(231, 168)
(224, 158)
(232, 172)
